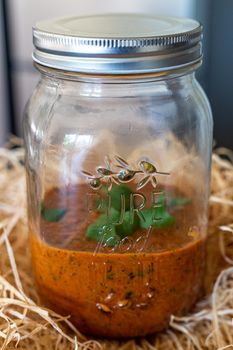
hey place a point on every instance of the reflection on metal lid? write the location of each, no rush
(117, 43)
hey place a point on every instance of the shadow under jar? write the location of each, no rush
(118, 137)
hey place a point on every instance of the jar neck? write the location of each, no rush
(118, 79)
(122, 88)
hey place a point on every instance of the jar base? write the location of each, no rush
(107, 328)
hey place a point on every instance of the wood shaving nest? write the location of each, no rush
(26, 325)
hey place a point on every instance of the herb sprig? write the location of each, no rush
(109, 231)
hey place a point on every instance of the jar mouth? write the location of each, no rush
(161, 44)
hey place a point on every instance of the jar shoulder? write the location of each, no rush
(39, 107)
(75, 105)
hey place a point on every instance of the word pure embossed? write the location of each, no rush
(120, 211)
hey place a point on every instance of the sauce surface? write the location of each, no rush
(124, 292)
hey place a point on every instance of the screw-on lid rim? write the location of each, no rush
(160, 43)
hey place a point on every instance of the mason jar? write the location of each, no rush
(118, 136)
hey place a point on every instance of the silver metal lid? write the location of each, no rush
(117, 43)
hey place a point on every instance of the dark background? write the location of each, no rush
(216, 76)
(18, 77)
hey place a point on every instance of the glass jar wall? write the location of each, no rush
(118, 174)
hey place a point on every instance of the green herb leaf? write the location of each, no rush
(163, 220)
(146, 221)
(105, 234)
(52, 214)
(127, 228)
(111, 219)
(93, 232)
(103, 230)
(179, 202)
(158, 216)
(112, 240)
(115, 195)
(109, 236)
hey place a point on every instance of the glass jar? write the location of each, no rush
(118, 137)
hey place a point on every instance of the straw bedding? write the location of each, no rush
(26, 325)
